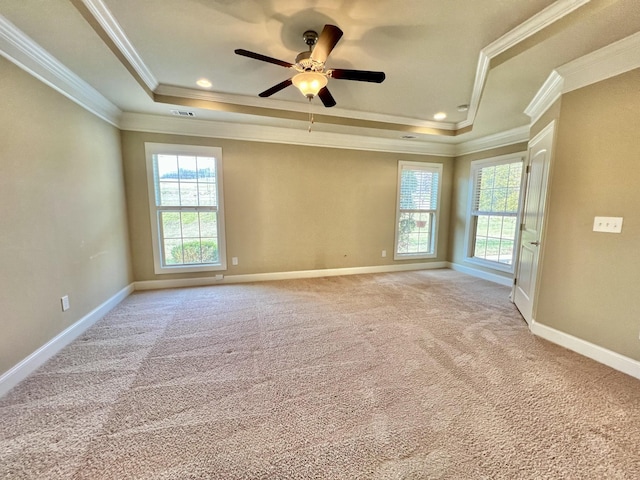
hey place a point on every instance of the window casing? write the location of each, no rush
(186, 207)
(494, 211)
(417, 210)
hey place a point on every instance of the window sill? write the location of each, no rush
(498, 267)
(416, 256)
(188, 269)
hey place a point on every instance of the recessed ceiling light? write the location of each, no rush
(463, 108)
(440, 116)
(204, 83)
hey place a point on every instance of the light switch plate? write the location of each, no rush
(607, 224)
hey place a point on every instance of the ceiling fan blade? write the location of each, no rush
(276, 88)
(263, 58)
(359, 75)
(326, 97)
(326, 41)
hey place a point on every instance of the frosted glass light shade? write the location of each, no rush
(309, 83)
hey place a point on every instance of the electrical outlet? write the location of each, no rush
(65, 303)
(607, 224)
(234, 260)
(384, 253)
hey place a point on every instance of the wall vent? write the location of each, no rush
(183, 113)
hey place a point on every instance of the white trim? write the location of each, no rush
(20, 49)
(265, 277)
(272, 103)
(482, 70)
(595, 352)
(533, 25)
(496, 140)
(550, 91)
(153, 149)
(260, 133)
(474, 272)
(469, 234)
(432, 168)
(30, 364)
(141, 122)
(105, 18)
(41, 67)
(614, 59)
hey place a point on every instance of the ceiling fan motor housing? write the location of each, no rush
(306, 63)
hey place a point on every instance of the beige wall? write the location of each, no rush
(289, 208)
(590, 282)
(62, 214)
(460, 204)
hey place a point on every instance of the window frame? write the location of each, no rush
(470, 228)
(436, 168)
(153, 149)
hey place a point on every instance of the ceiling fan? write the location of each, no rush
(312, 77)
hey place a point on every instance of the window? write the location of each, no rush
(494, 211)
(185, 197)
(417, 214)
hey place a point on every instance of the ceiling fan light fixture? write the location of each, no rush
(309, 83)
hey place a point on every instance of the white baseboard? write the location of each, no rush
(262, 277)
(595, 352)
(492, 277)
(27, 366)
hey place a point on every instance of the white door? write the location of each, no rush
(539, 160)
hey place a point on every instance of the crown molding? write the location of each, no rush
(283, 105)
(497, 140)
(550, 91)
(28, 55)
(607, 62)
(269, 134)
(614, 59)
(21, 50)
(538, 22)
(132, 60)
(482, 70)
(533, 25)
(112, 28)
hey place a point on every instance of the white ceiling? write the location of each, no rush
(491, 54)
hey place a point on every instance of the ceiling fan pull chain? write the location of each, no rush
(310, 115)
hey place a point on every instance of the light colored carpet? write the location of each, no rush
(418, 375)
